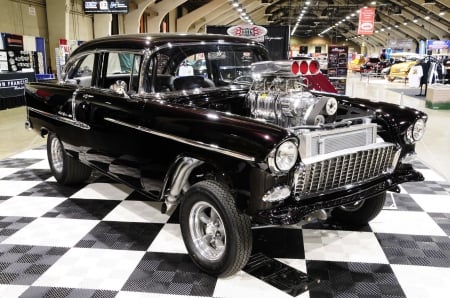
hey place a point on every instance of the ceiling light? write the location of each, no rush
(442, 12)
(427, 17)
(415, 20)
(235, 3)
(405, 23)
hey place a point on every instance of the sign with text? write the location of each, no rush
(438, 44)
(103, 6)
(366, 21)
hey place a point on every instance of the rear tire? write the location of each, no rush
(361, 212)
(65, 169)
(217, 236)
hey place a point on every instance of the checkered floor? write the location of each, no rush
(102, 240)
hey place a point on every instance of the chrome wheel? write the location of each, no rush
(207, 230)
(56, 151)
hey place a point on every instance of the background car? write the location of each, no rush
(374, 65)
(355, 64)
(401, 70)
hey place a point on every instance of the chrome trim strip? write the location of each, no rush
(184, 140)
(62, 119)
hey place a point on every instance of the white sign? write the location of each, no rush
(31, 10)
(254, 32)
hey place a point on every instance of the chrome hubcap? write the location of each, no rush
(207, 230)
(56, 152)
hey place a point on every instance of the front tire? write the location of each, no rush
(217, 236)
(361, 212)
(65, 169)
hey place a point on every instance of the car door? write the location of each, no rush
(114, 149)
(80, 74)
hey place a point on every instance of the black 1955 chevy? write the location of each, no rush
(208, 123)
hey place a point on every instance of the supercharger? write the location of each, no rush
(279, 95)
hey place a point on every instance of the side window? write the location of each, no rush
(81, 71)
(122, 69)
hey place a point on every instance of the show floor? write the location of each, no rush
(101, 239)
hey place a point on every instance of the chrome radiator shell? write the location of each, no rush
(326, 141)
(344, 168)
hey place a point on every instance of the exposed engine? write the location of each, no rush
(279, 95)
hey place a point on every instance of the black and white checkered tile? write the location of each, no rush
(102, 240)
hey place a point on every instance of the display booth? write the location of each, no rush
(22, 60)
(337, 67)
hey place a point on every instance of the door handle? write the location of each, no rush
(87, 96)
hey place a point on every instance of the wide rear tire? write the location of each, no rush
(217, 236)
(65, 169)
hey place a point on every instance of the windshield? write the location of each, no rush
(222, 64)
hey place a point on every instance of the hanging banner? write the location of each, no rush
(438, 44)
(254, 32)
(366, 21)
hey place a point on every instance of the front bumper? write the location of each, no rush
(293, 211)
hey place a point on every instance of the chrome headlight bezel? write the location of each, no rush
(416, 131)
(284, 157)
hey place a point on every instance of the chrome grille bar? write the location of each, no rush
(339, 169)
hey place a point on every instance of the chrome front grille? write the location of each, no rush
(343, 168)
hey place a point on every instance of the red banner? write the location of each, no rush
(366, 21)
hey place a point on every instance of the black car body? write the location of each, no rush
(243, 143)
(374, 65)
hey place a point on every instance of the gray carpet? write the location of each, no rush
(410, 91)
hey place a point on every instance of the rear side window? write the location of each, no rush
(81, 71)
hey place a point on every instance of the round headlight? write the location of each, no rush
(286, 156)
(416, 131)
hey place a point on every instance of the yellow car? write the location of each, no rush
(401, 70)
(355, 64)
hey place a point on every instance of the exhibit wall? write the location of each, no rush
(50, 19)
(23, 18)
